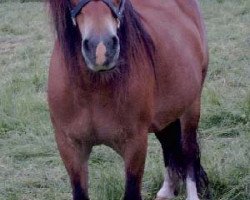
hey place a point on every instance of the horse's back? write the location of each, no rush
(176, 21)
(177, 30)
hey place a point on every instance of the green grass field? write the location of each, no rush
(30, 166)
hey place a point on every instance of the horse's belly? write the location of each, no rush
(175, 94)
(164, 116)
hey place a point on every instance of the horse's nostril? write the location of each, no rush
(86, 45)
(114, 41)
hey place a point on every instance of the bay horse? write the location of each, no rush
(119, 70)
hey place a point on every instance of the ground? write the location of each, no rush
(30, 166)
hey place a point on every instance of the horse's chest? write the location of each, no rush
(109, 117)
(100, 124)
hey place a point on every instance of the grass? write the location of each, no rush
(30, 166)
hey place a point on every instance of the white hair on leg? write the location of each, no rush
(191, 186)
(167, 190)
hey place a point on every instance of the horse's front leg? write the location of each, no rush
(135, 151)
(75, 156)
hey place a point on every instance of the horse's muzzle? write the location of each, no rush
(101, 54)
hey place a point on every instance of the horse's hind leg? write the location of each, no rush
(170, 139)
(75, 157)
(182, 156)
(196, 178)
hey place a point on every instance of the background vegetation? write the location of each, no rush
(30, 167)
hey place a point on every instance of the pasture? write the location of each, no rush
(30, 166)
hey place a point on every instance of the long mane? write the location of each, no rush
(135, 43)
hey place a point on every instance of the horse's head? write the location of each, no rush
(98, 22)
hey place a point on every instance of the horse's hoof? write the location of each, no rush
(193, 199)
(162, 198)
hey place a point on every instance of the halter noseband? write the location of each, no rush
(116, 11)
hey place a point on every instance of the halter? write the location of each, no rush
(116, 11)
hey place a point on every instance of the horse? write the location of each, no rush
(119, 70)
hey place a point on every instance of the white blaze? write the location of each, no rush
(100, 53)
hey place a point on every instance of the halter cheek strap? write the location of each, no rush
(116, 11)
(76, 10)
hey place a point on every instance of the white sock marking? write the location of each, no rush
(167, 189)
(191, 189)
